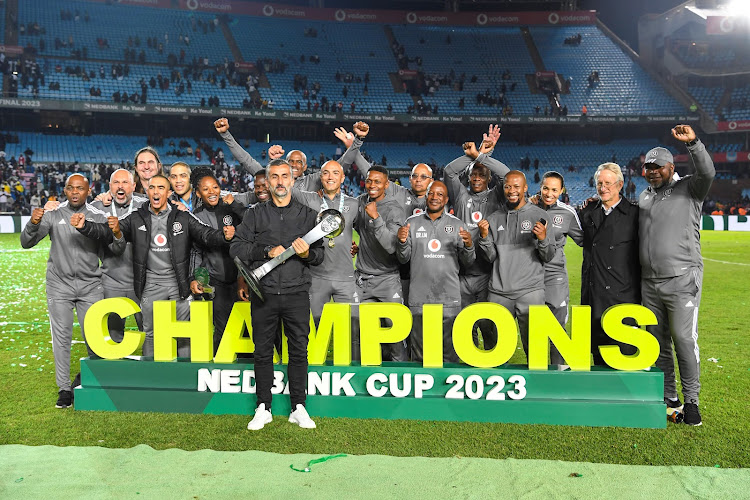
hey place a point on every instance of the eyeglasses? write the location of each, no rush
(606, 184)
(420, 177)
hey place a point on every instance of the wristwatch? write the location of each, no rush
(267, 250)
(692, 143)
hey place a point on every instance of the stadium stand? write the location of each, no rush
(708, 97)
(355, 49)
(738, 109)
(624, 87)
(468, 45)
(116, 24)
(2, 23)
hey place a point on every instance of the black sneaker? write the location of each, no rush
(692, 414)
(65, 400)
(673, 404)
(76, 381)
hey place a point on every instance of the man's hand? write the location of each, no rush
(51, 205)
(684, 133)
(403, 233)
(484, 228)
(466, 236)
(105, 198)
(228, 199)
(492, 135)
(470, 150)
(277, 250)
(361, 129)
(222, 125)
(355, 249)
(540, 230)
(77, 220)
(114, 225)
(372, 210)
(301, 248)
(243, 291)
(345, 137)
(196, 287)
(275, 152)
(589, 200)
(179, 205)
(36, 216)
(228, 232)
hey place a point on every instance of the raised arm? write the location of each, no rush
(243, 157)
(700, 182)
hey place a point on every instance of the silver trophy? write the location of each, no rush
(330, 222)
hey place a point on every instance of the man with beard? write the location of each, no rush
(267, 229)
(434, 243)
(217, 213)
(671, 262)
(117, 270)
(472, 206)
(378, 221)
(517, 244)
(162, 239)
(73, 273)
(183, 196)
(334, 277)
(147, 164)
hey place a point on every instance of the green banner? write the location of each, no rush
(725, 223)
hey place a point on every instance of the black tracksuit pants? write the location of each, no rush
(294, 311)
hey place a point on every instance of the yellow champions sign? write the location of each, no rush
(335, 326)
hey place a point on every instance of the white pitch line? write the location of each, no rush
(22, 250)
(726, 262)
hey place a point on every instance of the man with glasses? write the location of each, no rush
(611, 273)
(671, 262)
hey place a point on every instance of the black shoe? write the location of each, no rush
(692, 414)
(673, 404)
(65, 400)
(76, 381)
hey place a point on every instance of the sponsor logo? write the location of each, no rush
(476, 216)
(62, 221)
(267, 10)
(727, 24)
(482, 19)
(160, 240)
(526, 225)
(192, 4)
(421, 232)
(227, 220)
(732, 125)
(411, 18)
(501, 228)
(434, 245)
(417, 211)
(340, 15)
(345, 208)
(553, 18)
(142, 228)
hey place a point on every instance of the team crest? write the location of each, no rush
(434, 245)
(653, 154)
(557, 220)
(449, 229)
(526, 225)
(176, 227)
(476, 216)
(227, 220)
(345, 208)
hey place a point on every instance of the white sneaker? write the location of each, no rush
(300, 417)
(261, 418)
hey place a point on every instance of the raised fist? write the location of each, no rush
(228, 232)
(361, 129)
(114, 225)
(484, 228)
(222, 125)
(372, 210)
(466, 236)
(77, 220)
(470, 150)
(36, 216)
(275, 152)
(684, 133)
(403, 233)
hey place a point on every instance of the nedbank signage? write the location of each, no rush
(484, 389)
(274, 114)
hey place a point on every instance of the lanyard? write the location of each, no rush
(130, 208)
(324, 203)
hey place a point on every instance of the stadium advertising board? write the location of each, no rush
(275, 114)
(484, 389)
(733, 126)
(437, 18)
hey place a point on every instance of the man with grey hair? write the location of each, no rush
(611, 272)
(671, 263)
(117, 270)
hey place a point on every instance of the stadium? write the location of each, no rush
(572, 84)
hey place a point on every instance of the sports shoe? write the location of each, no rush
(300, 417)
(673, 405)
(261, 418)
(65, 399)
(692, 414)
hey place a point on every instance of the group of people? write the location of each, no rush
(474, 236)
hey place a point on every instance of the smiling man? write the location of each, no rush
(671, 262)
(73, 273)
(162, 238)
(517, 243)
(183, 196)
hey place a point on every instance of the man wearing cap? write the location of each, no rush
(671, 263)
